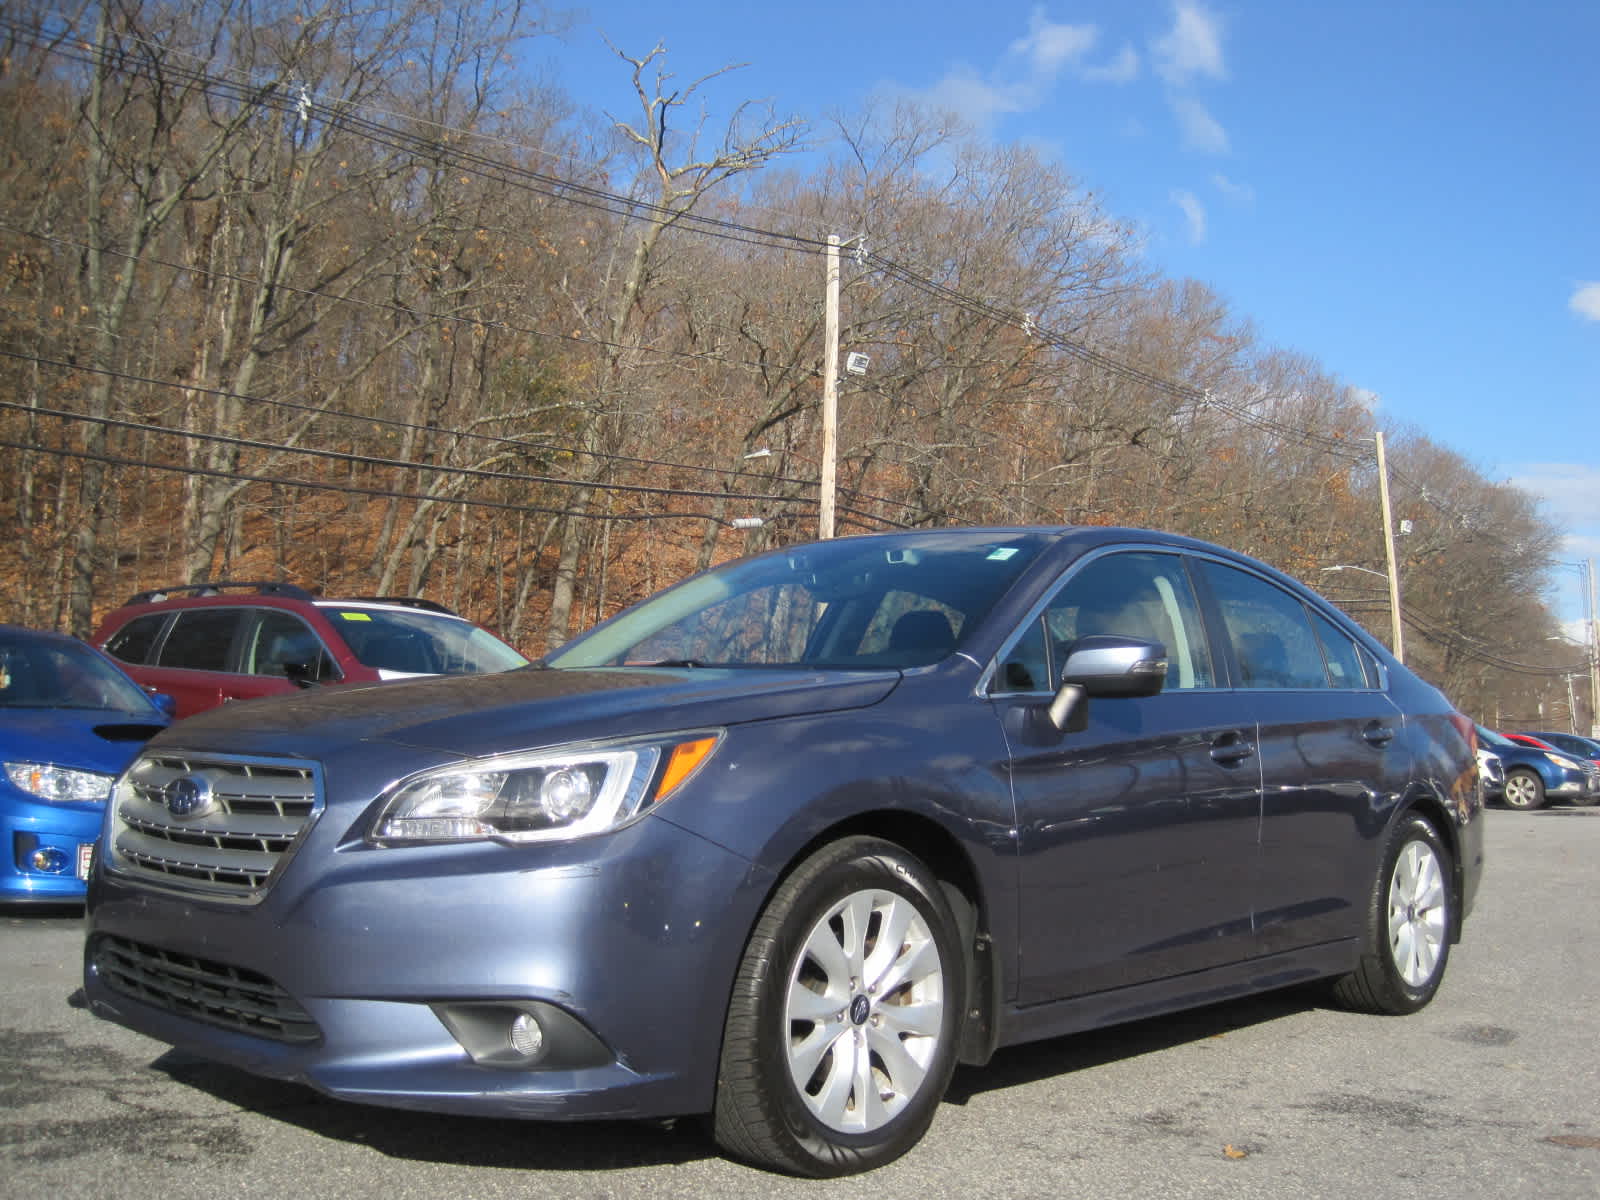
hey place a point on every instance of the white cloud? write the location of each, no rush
(1576, 630)
(1582, 545)
(974, 99)
(1571, 489)
(1193, 212)
(1201, 131)
(1193, 48)
(1026, 74)
(1239, 193)
(1586, 301)
(1049, 47)
(1366, 398)
(1124, 68)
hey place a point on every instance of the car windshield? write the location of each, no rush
(414, 642)
(900, 601)
(37, 672)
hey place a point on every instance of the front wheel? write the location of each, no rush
(1410, 921)
(1524, 789)
(842, 1028)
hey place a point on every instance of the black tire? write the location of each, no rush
(1410, 922)
(901, 1041)
(1524, 789)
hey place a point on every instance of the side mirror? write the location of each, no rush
(1108, 666)
(165, 703)
(299, 674)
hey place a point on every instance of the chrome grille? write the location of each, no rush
(210, 823)
(202, 989)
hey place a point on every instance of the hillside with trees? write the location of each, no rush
(322, 292)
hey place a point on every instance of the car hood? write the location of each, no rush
(473, 715)
(93, 739)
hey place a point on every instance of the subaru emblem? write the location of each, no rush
(189, 796)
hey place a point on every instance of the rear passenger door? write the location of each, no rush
(192, 658)
(1333, 757)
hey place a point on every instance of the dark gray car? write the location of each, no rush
(785, 843)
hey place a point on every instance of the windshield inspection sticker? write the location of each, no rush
(1003, 553)
(355, 616)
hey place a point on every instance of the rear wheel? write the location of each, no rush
(1524, 788)
(842, 1028)
(1410, 921)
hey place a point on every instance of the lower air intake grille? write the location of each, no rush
(203, 990)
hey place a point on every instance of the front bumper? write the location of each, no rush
(1574, 785)
(44, 847)
(624, 945)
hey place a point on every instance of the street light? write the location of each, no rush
(1394, 603)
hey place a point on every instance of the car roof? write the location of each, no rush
(273, 594)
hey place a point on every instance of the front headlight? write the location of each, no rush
(59, 785)
(540, 795)
(1563, 762)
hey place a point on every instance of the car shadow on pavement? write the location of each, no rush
(446, 1139)
(1019, 1065)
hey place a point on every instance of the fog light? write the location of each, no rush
(527, 1038)
(52, 860)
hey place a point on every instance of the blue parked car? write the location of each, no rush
(1535, 776)
(785, 843)
(1571, 743)
(70, 720)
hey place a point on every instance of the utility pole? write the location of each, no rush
(1388, 550)
(827, 485)
(1594, 656)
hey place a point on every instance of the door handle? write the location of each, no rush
(1230, 749)
(1378, 734)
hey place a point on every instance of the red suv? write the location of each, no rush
(207, 643)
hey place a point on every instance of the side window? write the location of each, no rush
(132, 643)
(281, 638)
(1139, 595)
(1370, 664)
(1026, 667)
(1339, 649)
(200, 639)
(1270, 630)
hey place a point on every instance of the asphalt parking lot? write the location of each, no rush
(1492, 1091)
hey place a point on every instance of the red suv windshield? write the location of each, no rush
(412, 642)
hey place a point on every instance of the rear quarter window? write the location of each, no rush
(135, 640)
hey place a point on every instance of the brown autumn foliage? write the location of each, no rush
(322, 293)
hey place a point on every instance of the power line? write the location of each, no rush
(368, 460)
(382, 493)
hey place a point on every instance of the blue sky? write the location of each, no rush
(1406, 191)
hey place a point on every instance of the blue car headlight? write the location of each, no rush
(546, 795)
(59, 785)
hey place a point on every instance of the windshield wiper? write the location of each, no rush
(672, 662)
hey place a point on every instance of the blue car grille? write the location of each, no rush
(210, 823)
(202, 989)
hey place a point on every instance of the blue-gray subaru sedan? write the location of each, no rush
(788, 841)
